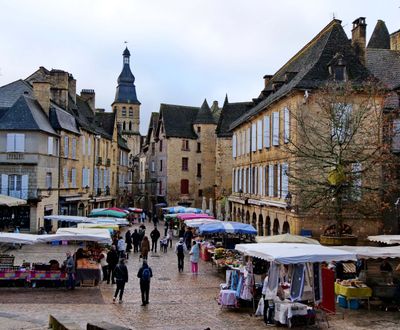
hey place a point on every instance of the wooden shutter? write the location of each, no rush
(19, 142)
(286, 124)
(253, 137)
(65, 177)
(74, 148)
(4, 182)
(73, 178)
(66, 146)
(24, 186)
(267, 133)
(89, 146)
(233, 146)
(285, 180)
(10, 142)
(83, 145)
(83, 177)
(260, 181)
(245, 180)
(271, 180)
(50, 145)
(96, 178)
(278, 181)
(259, 134)
(275, 128)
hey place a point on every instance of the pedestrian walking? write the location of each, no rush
(143, 216)
(128, 241)
(155, 219)
(170, 234)
(121, 246)
(69, 264)
(144, 248)
(145, 274)
(154, 235)
(180, 249)
(194, 257)
(112, 260)
(164, 244)
(188, 238)
(166, 226)
(142, 233)
(103, 263)
(135, 241)
(121, 276)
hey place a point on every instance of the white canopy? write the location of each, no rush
(372, 252)
(109, 220)
(292, 253)
(78, 234)
(18, 238)
(11, 201)
(195, 223)
(67, 218)
(286, 238)
(387, 239)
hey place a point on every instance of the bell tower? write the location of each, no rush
(126, 105)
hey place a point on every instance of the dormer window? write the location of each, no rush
(337, 68)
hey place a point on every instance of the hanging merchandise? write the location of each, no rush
(297, 286)
(247, 292)
(317, 282)
(273, 281)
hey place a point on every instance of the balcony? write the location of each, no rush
(15, 156)
(98, 192)
(21, 193)
(99, 161)
(108, 162)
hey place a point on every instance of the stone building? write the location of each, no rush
(59, 153)
(260, 181)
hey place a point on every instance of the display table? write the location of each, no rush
(46, 275)
(88, 272)
(227, 298)
(351, 292)
(285, 310)
(13, 275)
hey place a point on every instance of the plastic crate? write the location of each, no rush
(342, 301)
(354, 304)
(55, 242)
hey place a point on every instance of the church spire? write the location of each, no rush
(126, 90)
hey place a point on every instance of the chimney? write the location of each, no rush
(358, 38)
(267, 79)
(395, 40)
(72, 88)
(41, 91)
(89, 96)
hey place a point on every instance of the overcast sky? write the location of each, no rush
(181, 51)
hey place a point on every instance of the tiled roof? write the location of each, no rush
(384, 64)
(308, 69)
(62, 120)
(229, 113)
(152, 125)
(380, 38)
(105, 123)
(27, 115)
(178, 120)
(10, 93)
(204, 115)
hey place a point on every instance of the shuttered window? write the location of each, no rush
(259, 134)
(245, 180)
(66, 150)
(73, 178)
(285, 180)
(267, 132)
(248, 137)
(275, 128)
(271, 180)
(278, 181)
(96, 178)
(234, 142)
(260, 181)
(89, 146)
(286, 124)
(74, 148)
(253, 137)
(50, 145)
(15, 142)
(65, 177)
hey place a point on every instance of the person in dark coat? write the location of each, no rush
(121, 276)
(145, 274)
(128, 241)
(135, 241)
(154, 235)
(112, 260)
(188, 238)
(142, 233)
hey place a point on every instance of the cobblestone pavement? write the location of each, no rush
(177, 300)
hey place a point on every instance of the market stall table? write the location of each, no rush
(351, 292)
(88, 272)
(227, 298)
(285, 310)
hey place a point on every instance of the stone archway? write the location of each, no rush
(234, 214)
(242, 216)
(275, 228)
(260, 228)
(254, 220)
(286, 228)
(268, 226)
(248, 217)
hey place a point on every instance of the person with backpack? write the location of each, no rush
(180, 249)
(112, 261)
(121, 277)
(145, 274)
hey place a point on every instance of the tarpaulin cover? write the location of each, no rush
(387, 239)
(291, 253)
(78, 234)
(372, 252)
(187, 216)
(229, 227)
(67, 218)
(18, 238)
(286, 238)
(195, 223)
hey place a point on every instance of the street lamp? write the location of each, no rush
(288, 200)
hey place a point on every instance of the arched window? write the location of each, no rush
(254, 221)
(260, 226)
(286, 228)
(123, 126)
(275, 229)
(130, 112)
(268, 226)
(130, 125)
(123, 112)
(248, 217)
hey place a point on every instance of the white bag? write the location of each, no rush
(260, 308)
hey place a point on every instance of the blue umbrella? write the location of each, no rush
(229, 227)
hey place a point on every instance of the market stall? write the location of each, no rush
(386, 239)
(294, 277)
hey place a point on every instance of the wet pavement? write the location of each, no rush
(177, 300)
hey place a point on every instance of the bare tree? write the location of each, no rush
(340, 156)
